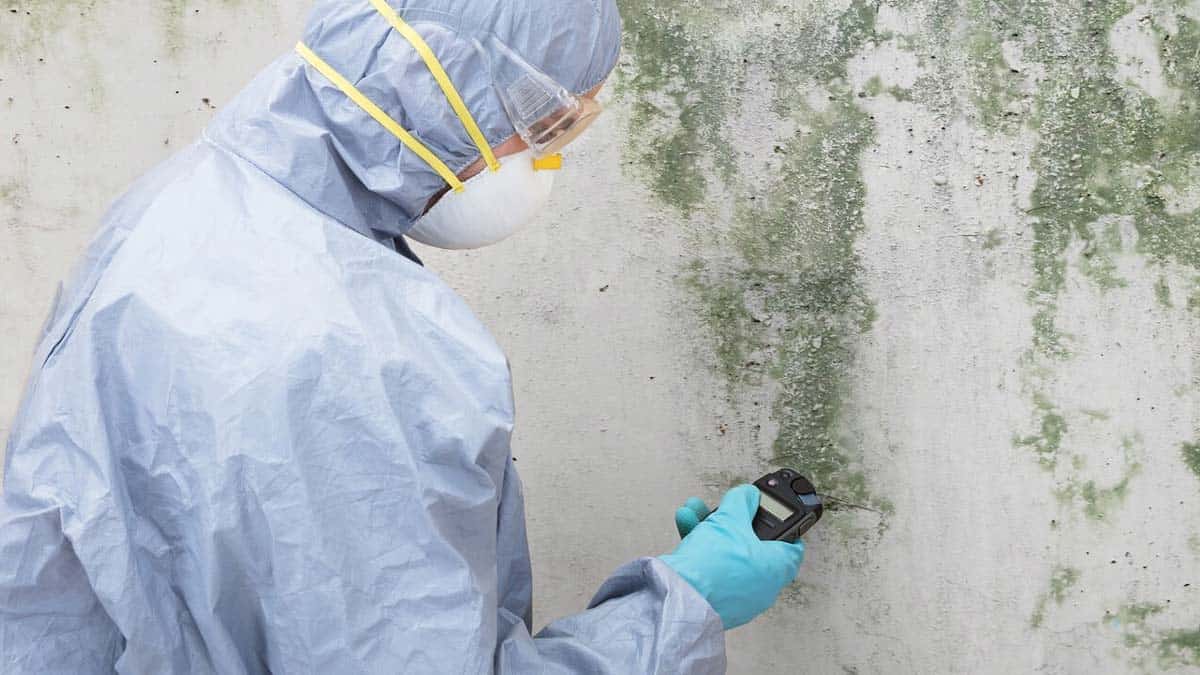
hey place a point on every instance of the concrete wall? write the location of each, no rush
(944, 256)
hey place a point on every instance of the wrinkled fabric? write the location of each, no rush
(258, 439)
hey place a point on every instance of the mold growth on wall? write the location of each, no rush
(1098, 501)
(796, 243)
(1113, 154)
(1047, 441)
(785, 302)
(1108, 153)
(174, 14)
(680, 96)
(1113, 165)
(1191, 457)
(1107, 149)
(25, 25)
(1062, 579)
(1159, 649)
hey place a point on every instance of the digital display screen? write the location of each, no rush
(775, 507)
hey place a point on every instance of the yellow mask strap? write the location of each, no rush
(442, 78)
(380, 116)
(548, 163)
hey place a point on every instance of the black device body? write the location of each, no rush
(788, 507)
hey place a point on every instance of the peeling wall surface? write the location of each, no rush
(942, 256)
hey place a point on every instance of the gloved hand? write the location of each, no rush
(721, 557)
(688, 516)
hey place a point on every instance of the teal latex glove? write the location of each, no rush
(689, 515)
(722, 558)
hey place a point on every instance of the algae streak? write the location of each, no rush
(1191, 457)
(680, 94)
(1170, 648)
(786, 303)
(799, 262)
(1061, 580)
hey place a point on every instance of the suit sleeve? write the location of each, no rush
(644, 619)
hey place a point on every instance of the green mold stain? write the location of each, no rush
(731, 325)
(172, 13)
(994, 85)
(1130, 619)
(1135, 614)
(24, 32)
(1191, 456)
(1047, 442)
(1098, 502)
(992, 239)
(1107, 157)
(173, 17)
(1062, 579)
(1106, 150)
(798, 268)
(902, 94)
(874, 87)
(803, 263)
(681, 91)
(1173, 647)
(786, 303)
(10, 193)
(1099, 258)
(1179, 647)
(831, 38)
(1162, 292)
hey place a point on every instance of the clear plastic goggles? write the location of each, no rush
(545, 114)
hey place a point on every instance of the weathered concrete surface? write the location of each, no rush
(945, 256)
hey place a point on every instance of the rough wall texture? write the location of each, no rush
(944, 256)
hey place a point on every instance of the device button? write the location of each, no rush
(801, 486)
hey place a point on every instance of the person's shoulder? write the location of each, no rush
(215, 255)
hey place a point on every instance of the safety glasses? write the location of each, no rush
(546, 116)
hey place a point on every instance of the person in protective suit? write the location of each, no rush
(261, 437)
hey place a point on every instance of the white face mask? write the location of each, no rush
(494, 205)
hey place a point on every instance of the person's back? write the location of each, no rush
(234, 429)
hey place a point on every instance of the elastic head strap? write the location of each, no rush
(442, 78)
(380, 116)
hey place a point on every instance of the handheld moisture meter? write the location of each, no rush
(788, 507)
